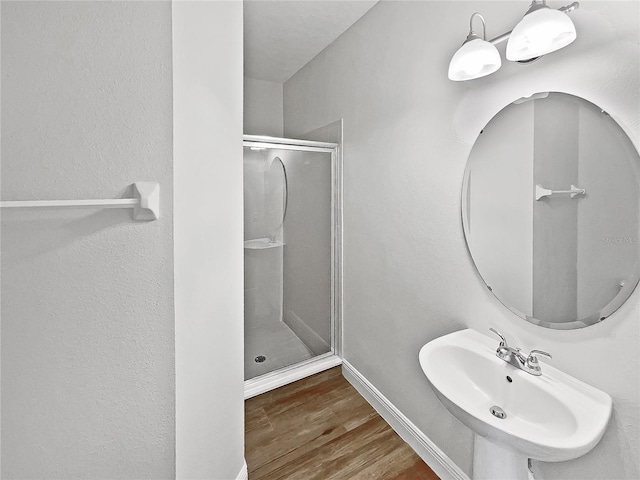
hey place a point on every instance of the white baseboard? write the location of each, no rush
(304, 332)
(439, 462)
(244, 472)
(279, 378)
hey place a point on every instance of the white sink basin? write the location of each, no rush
(553, 417)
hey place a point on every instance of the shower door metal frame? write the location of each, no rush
(292, 373)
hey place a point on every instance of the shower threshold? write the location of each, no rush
(279, 378)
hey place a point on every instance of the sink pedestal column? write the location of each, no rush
(491, 462)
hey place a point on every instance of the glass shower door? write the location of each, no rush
(288, 256)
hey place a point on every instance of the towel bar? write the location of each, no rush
(145, 204)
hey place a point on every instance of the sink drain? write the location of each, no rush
(260, 359)
(496, 411)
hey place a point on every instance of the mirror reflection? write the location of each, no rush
(550, 209)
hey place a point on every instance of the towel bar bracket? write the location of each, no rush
(542, 192)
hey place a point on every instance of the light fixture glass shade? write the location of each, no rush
(474, 59)
(541, 31)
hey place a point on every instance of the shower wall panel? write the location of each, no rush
(263, 191)
(307, 254)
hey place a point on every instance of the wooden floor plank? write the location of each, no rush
(353, 410)
(337, 457)
(290, 430)
(353, 460)
(330, 391)
(388, 466)
(416, 472)
(256, 419)
(267, 469)
(320, 428)
(283, 392)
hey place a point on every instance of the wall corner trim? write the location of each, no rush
(439, 462)
(244, 472)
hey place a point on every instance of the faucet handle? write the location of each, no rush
(533, 354)
(532, 359)
(503, 341)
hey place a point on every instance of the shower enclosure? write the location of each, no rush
(291, 260)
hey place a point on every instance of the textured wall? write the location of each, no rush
(87, 295)
(407, 134)
(262, 107)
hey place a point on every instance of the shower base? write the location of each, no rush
(293, 373)
(277, 343)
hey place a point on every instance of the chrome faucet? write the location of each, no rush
(513, 356)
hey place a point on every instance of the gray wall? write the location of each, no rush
(87, 295)
(262, 107)
(407, 134)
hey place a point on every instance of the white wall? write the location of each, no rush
(262, 107)
(207, 82)
(407, 134)
(87, 295)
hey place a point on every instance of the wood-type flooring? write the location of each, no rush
(320, 428)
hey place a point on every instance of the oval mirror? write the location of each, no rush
(550, 210)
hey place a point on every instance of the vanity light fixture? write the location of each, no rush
(476, 57)
(542, 30)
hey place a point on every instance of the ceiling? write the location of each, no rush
(280, 37)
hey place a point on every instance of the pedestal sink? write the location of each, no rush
(515, 415)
